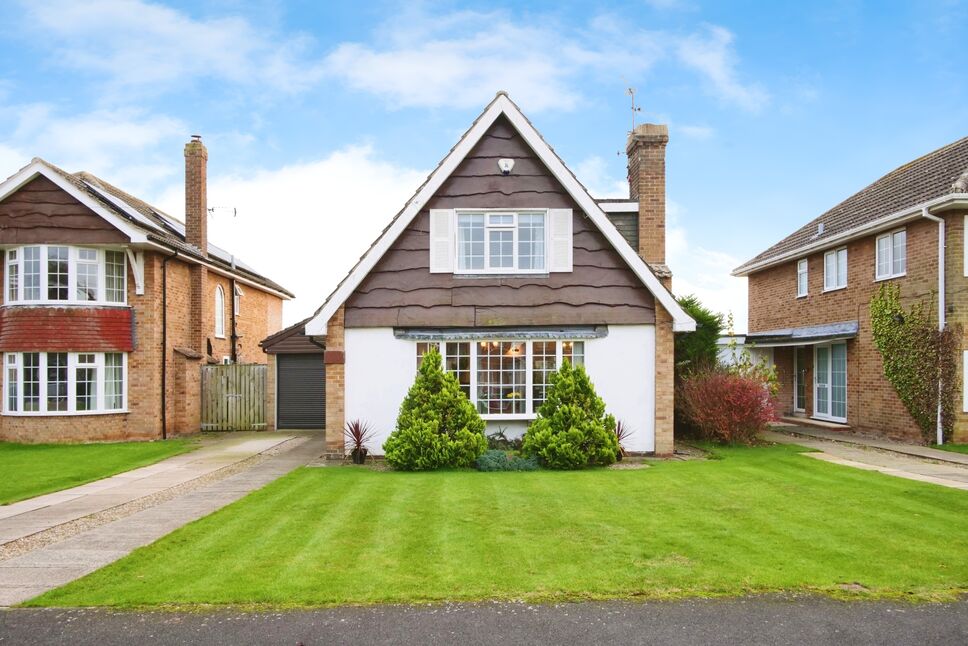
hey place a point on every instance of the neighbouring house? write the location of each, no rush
(111, 307)
(809, 294)
(504, 262)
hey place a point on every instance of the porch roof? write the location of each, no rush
(807, 335)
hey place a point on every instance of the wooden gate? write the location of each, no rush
(234, 397)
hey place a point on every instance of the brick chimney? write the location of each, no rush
(647, 185)
(196, 194)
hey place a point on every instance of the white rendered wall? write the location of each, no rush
(380, 369)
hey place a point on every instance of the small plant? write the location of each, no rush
(499, 441)
(726, 407)
(622, 433)
(357, 434)
(437, 426)
(494, 460)
(572, 430)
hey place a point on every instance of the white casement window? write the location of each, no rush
(59, 274)
(64, 383)
(500, 241)
(891, 259)
(219, 312)
(505, 379)
(237, 301)
(835, 269)
(802, 282)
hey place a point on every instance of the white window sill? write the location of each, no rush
(63, 413)
(479, 273)
(834, 289)
(799, 296)
(508, 418)
(220, 336)
(64, 304)
(878, 279)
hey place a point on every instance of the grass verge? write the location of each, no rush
(954, 448)
(759, 520)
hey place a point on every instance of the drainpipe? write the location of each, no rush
(164, 344)
(235, 333)
(941, 306)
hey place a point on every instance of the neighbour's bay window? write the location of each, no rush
(505, 379)
(891, 255)
(61, 274)
(64, 383)
(501, 242)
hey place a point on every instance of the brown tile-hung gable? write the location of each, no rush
(292, 340)
(401, 291)
(918, 181)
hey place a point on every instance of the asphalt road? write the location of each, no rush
(737, 621)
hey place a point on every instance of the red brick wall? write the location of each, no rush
(872, 403)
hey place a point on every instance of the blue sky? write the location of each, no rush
(322, 118)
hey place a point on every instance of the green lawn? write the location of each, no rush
(33, 469)
(758, 520)
(954, 448)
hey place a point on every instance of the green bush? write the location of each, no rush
(437, 426)
(494, 460)
(572, 430)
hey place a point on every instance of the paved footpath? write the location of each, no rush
(758, 620)
(51, 540)
(900, 460)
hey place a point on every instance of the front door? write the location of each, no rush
(830, 382)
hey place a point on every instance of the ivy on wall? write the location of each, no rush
(917, 356)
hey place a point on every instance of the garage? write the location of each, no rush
(300, 397)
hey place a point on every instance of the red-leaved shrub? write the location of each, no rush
(726, 407)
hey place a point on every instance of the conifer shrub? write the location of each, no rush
(497, 460)
(438, 426)
(572, 430)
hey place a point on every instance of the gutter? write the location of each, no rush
(886, 222)
(941, 306)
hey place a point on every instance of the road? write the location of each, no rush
(758, 620)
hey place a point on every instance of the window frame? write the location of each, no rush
(14, 362)
(889, 236)
(515, 227)
(219, 312)
(803, 268)
(530, 410)
(826, 283)
(16, 257)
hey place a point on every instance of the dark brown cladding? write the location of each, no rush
(292, 340)
(40, 212)
(401, 291)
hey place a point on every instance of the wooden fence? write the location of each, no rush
(234, 397)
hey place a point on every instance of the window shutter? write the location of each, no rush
(442, 243)
(561, 242)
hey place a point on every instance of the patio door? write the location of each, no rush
(830, 382)
(800, 379)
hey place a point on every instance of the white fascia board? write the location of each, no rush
(619, 207)
(682, 322)
(875, 226)
(37, 167)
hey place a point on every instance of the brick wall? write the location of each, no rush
(872, 403)
(335, 381)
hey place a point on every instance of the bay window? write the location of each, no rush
(64, 383)
(59, 274)
(501, 242)
(505, 378)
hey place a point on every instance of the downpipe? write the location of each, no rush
(941, 304)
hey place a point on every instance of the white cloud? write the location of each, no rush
(711, 53)
(137, 44)
(704, 272)
(593, 173)
(696, 132)
(305, 225)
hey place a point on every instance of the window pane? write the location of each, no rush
(31, 381)
(31, 273)
(544, 362)
(423, 348)
(470, 242)
(574, 351)
(12, 385)
(900, 252)
(841, 268)
(829, 270)
(56, 381)
(57, 273)
(501, 249)
(114, 276)
(113, 381)
(838, 381)
(13, 281)
(531, 241)
(883, 256)
(500, 219)
(85, 383)
(219, 311)
(87, 271)
(458, 363)
(501, 377)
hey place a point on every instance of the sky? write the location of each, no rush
(321, 119)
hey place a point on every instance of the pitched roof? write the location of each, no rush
(501, 105)
(136, 218)
(937, 174)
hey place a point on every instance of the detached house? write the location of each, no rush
(809, 294)
(504, 262)
(110, 307)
